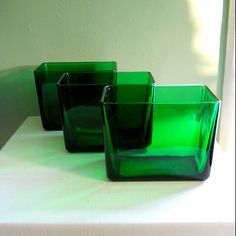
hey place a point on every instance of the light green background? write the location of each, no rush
(177, 40)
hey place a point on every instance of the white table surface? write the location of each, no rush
(44, 190)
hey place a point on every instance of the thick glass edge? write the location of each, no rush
(67, 74)
(212, 94)
(59, 82)
(217, 100)
(152, 78)
(150, 75)
(136, 72)
(41, 67)
(104, 94)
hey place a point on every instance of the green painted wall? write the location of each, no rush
(177, 40)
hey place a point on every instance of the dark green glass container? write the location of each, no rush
(79, 96)
(79, 99)
(46, 78)
(159, 132)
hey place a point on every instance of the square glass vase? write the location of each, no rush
(154, 132)
(79, 98)
(46, 78)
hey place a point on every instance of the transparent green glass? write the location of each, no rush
(79, 99)
(134, 77)
(157, 132)
(46, 78)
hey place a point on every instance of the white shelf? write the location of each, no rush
(44, 190)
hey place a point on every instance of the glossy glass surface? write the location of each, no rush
(46, 78)
(79, 96)
(134, 77)
(159, 132)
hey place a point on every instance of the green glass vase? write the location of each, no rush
(79, 97)
(154, 132)
(79, 100)
(46, 78)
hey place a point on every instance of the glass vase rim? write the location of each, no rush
(39, 68)
(59, 83)
(216, 99)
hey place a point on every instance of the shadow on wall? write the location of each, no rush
(18, 99)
